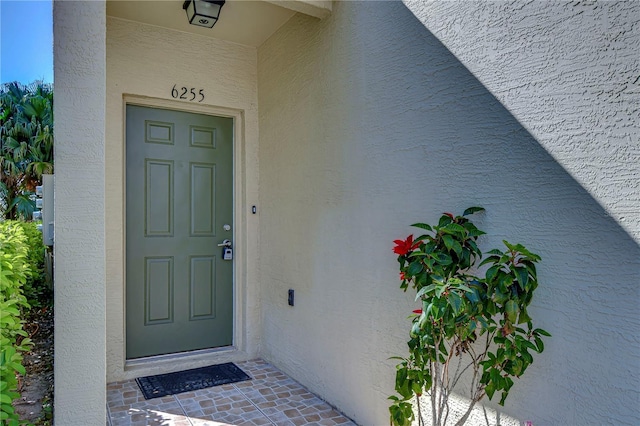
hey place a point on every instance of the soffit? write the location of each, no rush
(246, 22)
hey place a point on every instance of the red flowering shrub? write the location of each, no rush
(476, 323)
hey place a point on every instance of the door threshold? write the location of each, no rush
(161, 364)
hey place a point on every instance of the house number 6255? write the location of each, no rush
(189, 94)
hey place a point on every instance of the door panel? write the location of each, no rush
(179, 291)
(202, 294)
(158, 290)
(158, 196)
(203, 197)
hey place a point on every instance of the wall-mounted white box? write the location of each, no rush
(47, 209)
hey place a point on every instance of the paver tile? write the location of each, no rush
(270, 398)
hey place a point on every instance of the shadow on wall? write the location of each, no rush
(407, 132)
(441, 124)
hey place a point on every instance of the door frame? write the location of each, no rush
(237, 350)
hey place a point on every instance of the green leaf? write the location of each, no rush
(512, 310)
(463, 288)
(494, 373)
(473, 231)
(4, 415)
(423, 226)
(530, 345)
(455, 301)
(423, 320)
(443, 259)
(532, 270)
(444, 220)
(19, 368)
(511, 247)
(541, 331)
(524, 316)
(465, 258)
(401, 383)
(416, 253)
(473, 296)
(457, 248)
(505, 282)
(491, 272)
(414, 268)
(490, 390)
(508, 384)
(425, 290)
(443, 348)
(7, 408)
(504, 396)
(401, 414)
(472, 210)
(9, 352)
(523, 277)
(453, 228)
(429, 247)
(448, 241)
(474, 247)
(517, 367)
(428, 381)
(438, 307)
(471, 327)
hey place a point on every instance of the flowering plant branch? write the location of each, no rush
(470, 326)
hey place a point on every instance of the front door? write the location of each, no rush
(179, 289)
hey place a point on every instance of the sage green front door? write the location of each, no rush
(179, 290)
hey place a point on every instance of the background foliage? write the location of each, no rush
(26, 145)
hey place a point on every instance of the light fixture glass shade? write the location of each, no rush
(204, 13)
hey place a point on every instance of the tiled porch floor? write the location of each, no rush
(270, 398)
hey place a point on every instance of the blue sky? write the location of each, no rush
(26, 38)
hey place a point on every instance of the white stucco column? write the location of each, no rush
(79, 83)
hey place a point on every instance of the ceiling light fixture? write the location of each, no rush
(203, 13)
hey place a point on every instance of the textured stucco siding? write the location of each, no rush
(80, 386)
(569, 71)
(368, 124)
(147, 61)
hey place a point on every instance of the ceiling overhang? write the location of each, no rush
(248, 22)
(318, 8)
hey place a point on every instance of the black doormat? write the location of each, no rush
(190, 380)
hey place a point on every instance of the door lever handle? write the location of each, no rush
(225, 243)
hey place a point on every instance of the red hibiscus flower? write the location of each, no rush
(403, 276)
(417, 311)
(405, 246)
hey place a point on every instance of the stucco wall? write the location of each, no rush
(147, 61)
(569, 72)
(79, 49)
(368, 124)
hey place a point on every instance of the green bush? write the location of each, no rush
(14, 273)
(36, 289)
